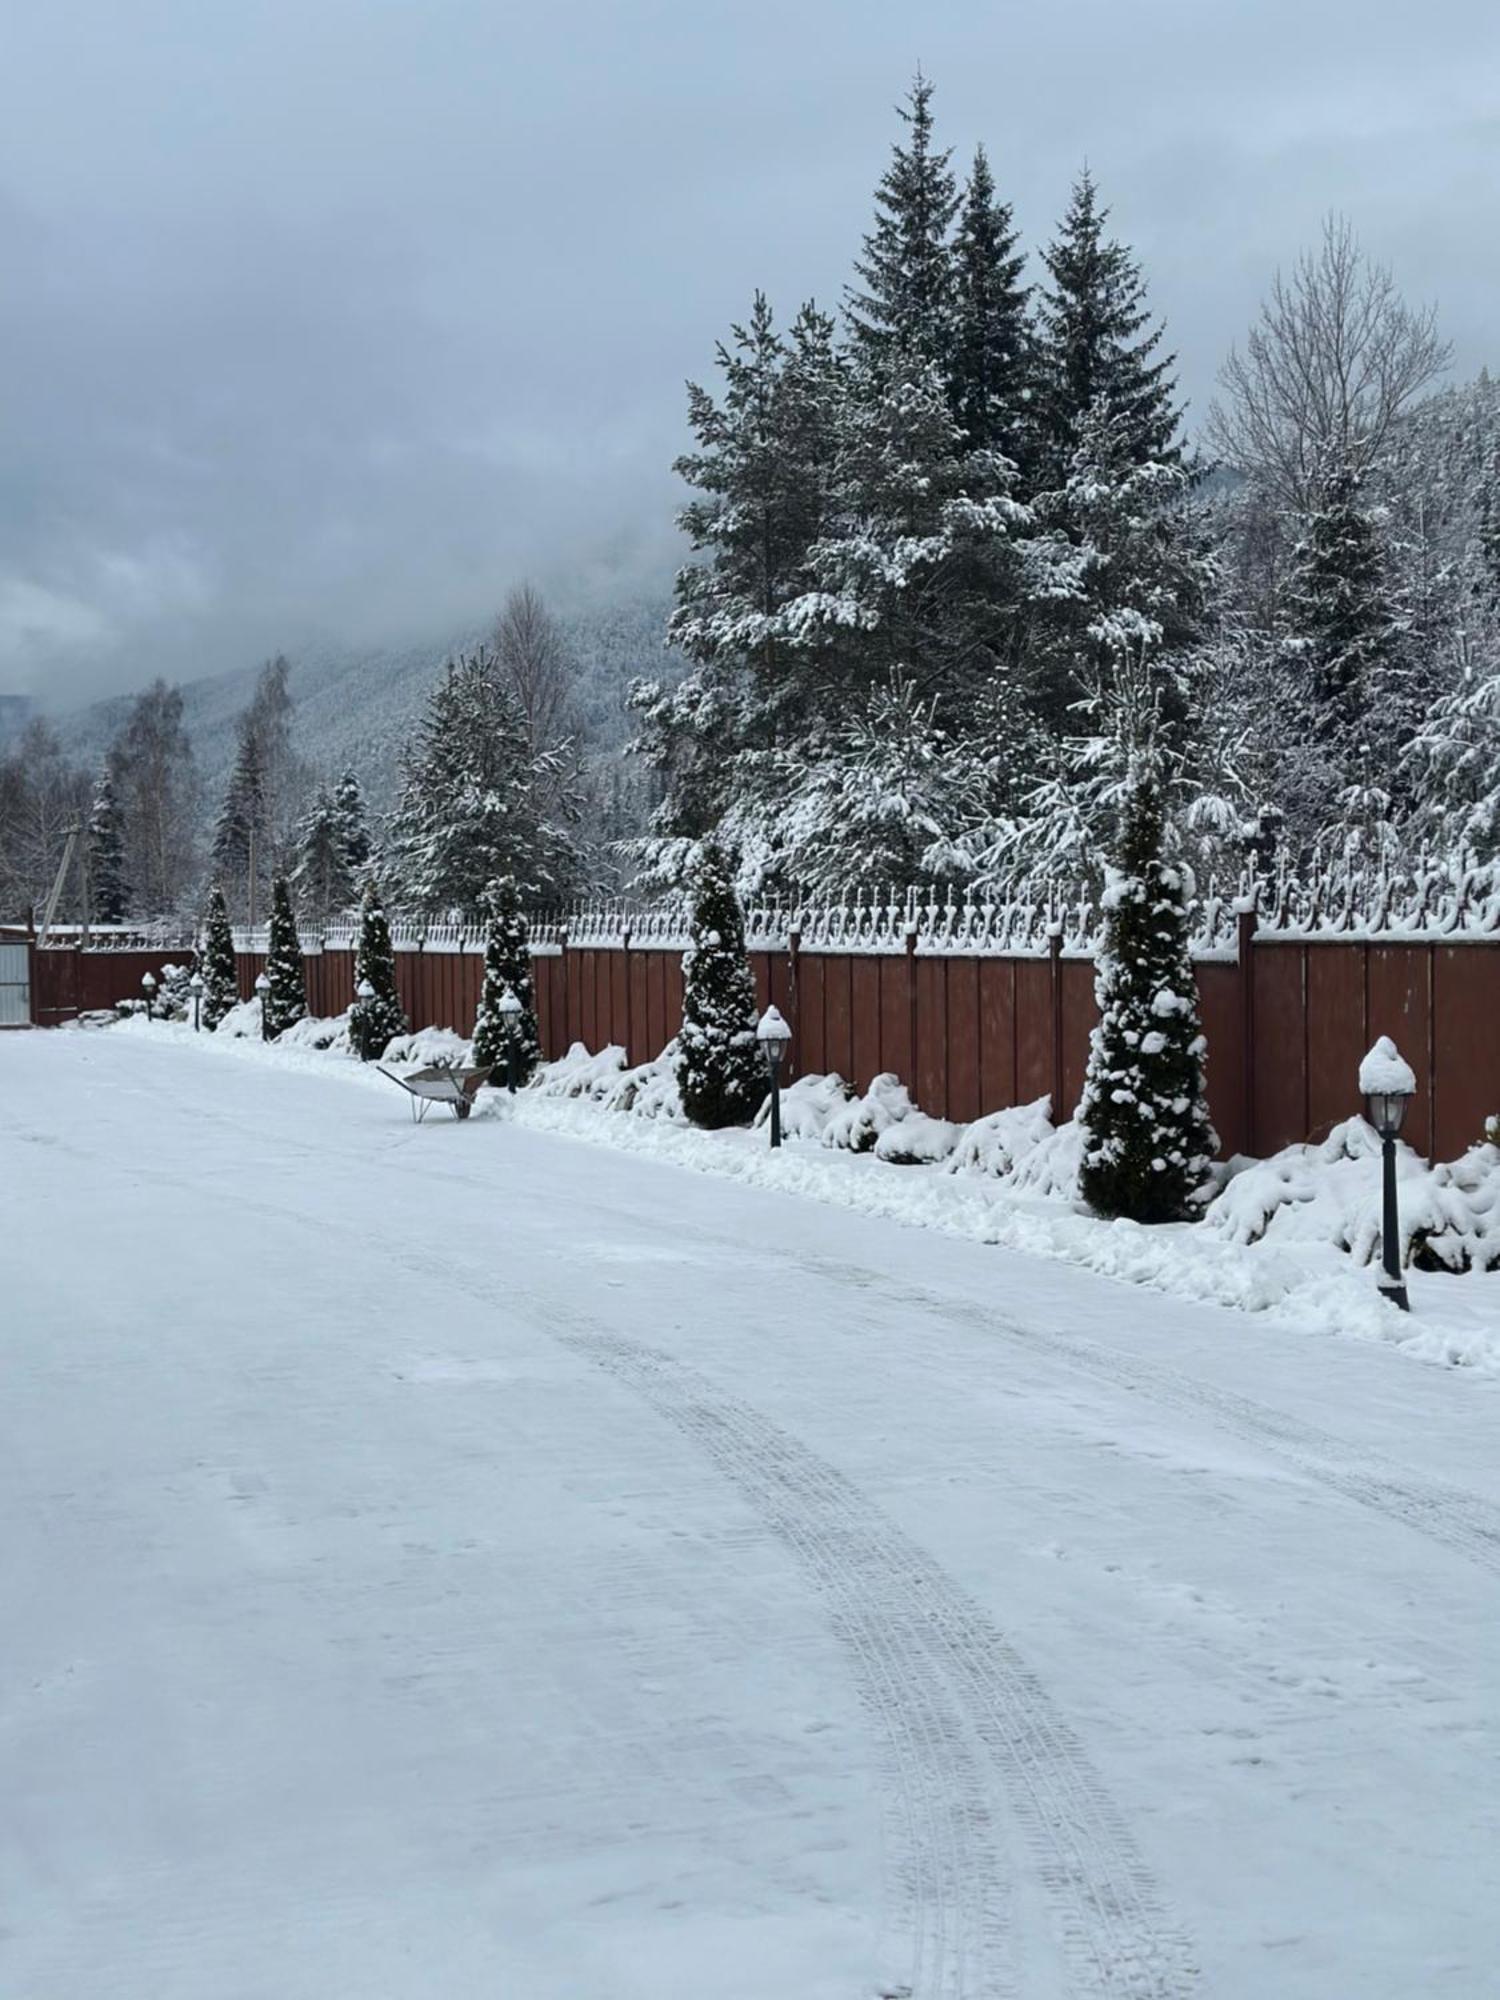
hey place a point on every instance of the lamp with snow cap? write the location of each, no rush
(1387, 1085)
(510, 1013)
(262, 994)
(775, 1038)
(195, 987)
(148, 987)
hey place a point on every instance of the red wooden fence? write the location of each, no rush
(1286, 1019)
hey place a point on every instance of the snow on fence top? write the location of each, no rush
(1439, 902)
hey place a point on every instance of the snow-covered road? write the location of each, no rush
(454, 1562)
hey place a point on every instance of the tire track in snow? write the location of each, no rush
(1464, 1523)
(892, 1604)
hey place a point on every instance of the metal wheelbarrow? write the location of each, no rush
(441, 1082)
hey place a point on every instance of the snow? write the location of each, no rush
(1385, 1072)
(772, 1027)
(458, 1561)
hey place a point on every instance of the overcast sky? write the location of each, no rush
(328, 319)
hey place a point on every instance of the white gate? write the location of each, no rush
(15, 986)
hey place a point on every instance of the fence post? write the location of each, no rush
(1054, 956)
(793, 946)
(910, 1078)
(1245, 924)
(560, 1000)
(629, 1038)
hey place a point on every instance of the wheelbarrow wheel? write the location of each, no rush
(463, 1107)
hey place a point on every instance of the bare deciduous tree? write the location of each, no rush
(537, 667)
(1334, 359)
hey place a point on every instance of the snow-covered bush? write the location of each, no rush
(997, 1144)
(856, 1125)
(579, 1074)
(720, 1072)
(332, 1033)
(650, 1090)
(221, 990)
(1052, 1167)
(1331, 1193)
(286, 997)
(1149, 1144)
(917, 1141)
(378, 1017)
(507, 968)
(807, 1104)
(427, 1045)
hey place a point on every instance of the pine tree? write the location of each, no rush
(1341, 622)
(108, 891)
(323, 878)
(353, 823)
(1148, 1143)
(905, 316)
(241, 841)
(992, 371)
(507, 964)
(469, 808)
(377, 1018)
(286, 999)
(1096, 352)
(221, 984)
(719, 1068)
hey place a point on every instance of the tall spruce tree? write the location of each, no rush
(109, 893)
(1147, 1140)
(323, 878)
(507, 964)
(241, 840)
(286, 999)
(376, 1018)
(904, 316)
(353, 823)
(221, 984)
(469, 807)
(719, 1070)
(1098, 351)
(1341, 623)
(992, 368)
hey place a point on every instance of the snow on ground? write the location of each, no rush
(456, 1561)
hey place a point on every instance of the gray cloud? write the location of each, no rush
(325, 319)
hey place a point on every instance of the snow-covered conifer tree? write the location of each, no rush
(992, 368)
(904, 316)
(1097, 348)
(323, 878)
(719, 1068)
(376, 1019)
(108, 891)
(469, 806)
(353, 823)
(286, 1000)
(1148, 1142)
(221, 985)
(507, 963)
(1341, 619)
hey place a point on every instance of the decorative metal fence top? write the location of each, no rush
(1431, 903)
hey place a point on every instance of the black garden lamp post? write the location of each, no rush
(195, 987)
(148, 987)
(775, 1038)
(263, 993)
(510, 1014)
(1388, 1086)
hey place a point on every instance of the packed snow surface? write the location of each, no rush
(457, 1562)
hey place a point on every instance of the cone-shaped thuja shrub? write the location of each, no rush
(221, 987)
(507, 962)
(376, 1019)
(1147, 1141)
(286, 1001)
(720, 1072)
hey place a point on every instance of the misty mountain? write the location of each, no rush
(357, 708)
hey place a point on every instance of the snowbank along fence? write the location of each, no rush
(974, 1007)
